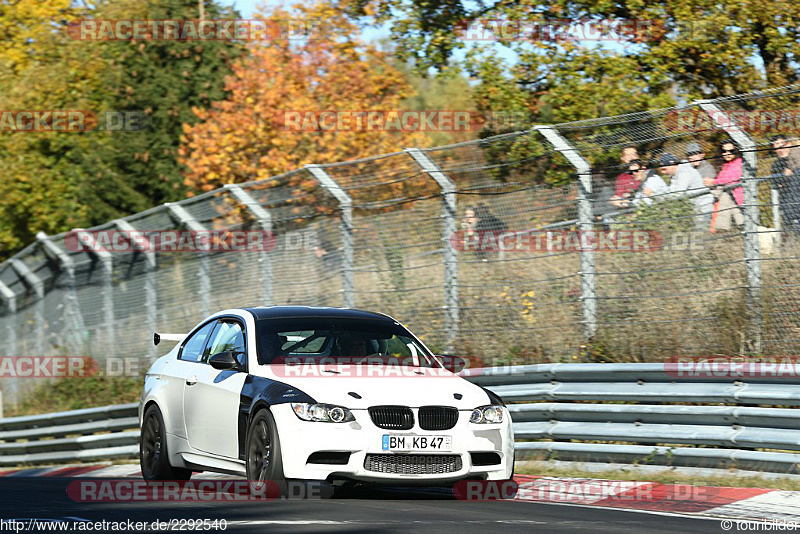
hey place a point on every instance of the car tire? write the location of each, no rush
(263, 451)
(153, 453)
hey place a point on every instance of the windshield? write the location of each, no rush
(325, 340)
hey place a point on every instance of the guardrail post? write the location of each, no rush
(752, 256)
(204, 269)
(585, 223)
(449, 214)
(36, 285)
(264, 219)
(346, 209)
(73, 321)
(106, 261)
(150, 287)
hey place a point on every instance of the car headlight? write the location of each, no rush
(487, 414)
(323, 413)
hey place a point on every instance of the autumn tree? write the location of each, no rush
(56, 181)
(247, 136)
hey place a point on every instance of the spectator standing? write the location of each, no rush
(729, 201)
(685, 180)
(479, 221)
(786, 176)
(697, 157)
(487, 221)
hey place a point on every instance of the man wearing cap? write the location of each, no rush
(685, 180)
(697, 157)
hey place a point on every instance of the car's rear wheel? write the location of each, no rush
(264, 451)
(153, 454)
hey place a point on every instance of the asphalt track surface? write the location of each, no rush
(360, 510)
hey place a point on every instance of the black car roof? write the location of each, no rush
(290, 312)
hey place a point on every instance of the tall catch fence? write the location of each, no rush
(396, 233)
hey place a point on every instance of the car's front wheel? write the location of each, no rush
(264, 451)
(153, 455)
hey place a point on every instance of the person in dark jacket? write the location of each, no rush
(478, 221)
(786, 177)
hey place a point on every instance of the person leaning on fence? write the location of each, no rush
(728, 201)
(652, 186)
(697, 157)
(626, 184)
(685, 181)
(786, 177)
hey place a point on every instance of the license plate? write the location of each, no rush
(394, 442)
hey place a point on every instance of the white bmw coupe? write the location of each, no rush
(318, 394)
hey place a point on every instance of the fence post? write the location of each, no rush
(11, 349)
(449, 214)
(10, 299)
(144, 246)
(264, 219)
(73, 321)
(204, 269)
(585, 223)
(775, 198)
(106, 261)
(752, 255)
(346, 209)
(35, 284)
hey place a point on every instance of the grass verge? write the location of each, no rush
(77, 393)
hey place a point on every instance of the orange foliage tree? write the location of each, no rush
(245, 137)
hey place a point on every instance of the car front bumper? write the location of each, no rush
(300, 439)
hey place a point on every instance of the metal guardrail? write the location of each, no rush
(646, 419)
(103, 433)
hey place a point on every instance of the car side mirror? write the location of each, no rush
(454, 364)
(225, 361)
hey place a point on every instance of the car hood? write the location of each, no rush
(380, 385)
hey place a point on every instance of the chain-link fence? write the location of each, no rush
(587, 241)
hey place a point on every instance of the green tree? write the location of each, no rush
(681, 49)
(165, 80)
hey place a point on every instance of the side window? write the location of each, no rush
(193, 348)
(228, 335)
